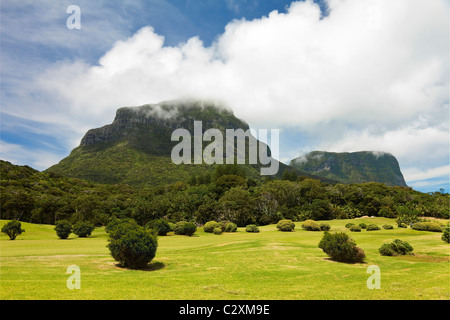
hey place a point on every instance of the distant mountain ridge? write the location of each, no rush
(355, 167)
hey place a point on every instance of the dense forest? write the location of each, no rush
(227, 194)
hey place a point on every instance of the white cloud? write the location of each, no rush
(416, 175)
(373, 75)
(19, 155)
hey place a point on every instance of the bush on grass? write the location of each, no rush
(83, 229)
(388, 227)
(395, 248)
(210, 226)
(217, 231)
(161, 226)
(446, 234)
(372, 227)
(132, 245)
(252, 228)
(230, 227)
(63, 229)
(310, 225)
(355, 228)
(324, 226)
(13, 229)
(340, 247)
(185, 228)
(427, 226)
(285, 225)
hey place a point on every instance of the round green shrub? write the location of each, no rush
(310, 225)
(132, 245)
(445, 234)
(395, 248)
(83, 229)
(253, 228)
(363, 225)
(223, 224)
(285, 225)
(348, 225)
(161, 226)
(171, 226)
(402, 225)
(324, 226)
(63, 229)
(427, 226)
(372, 227)
(388, 227)
(210, 226)
(355, 228)
(114, 222)
(185, 228)
(217, 231)
(13, 229)
(231, 227)
(340, 247)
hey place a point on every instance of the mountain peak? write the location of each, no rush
(168, 115)
(352, 167)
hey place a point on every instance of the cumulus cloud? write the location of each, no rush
(371, 75)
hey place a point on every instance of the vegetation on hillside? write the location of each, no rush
(226, 194)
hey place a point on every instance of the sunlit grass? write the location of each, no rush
(266, 265)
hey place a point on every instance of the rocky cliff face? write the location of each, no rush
(356, 167)
(149, 127)
(136, 147)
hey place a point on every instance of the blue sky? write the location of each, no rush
(342, 75)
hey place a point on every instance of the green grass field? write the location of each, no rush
(270, 265)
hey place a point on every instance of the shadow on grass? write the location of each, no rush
(153, 266)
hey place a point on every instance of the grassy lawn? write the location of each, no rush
(269, 265)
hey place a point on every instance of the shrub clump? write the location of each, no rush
(210, 226)
(395, 248)
(13, 229)
(286, 225)
(388, 227)
(403, 225)
(324, 226)
(185, 228)
(132, 245)
(340, 247)
(63, 229)
(230, 227)
(310, 225)
(217, 231)
(446, 234)
(349, 225)
(355, 228)
(252, 228)
(161, 226)
(83, 229)
(372, 227)
(363, 225)
(427, 226)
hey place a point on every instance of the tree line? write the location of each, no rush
(226, 195)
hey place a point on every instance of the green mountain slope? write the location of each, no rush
(356, 167)
(136, 148)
